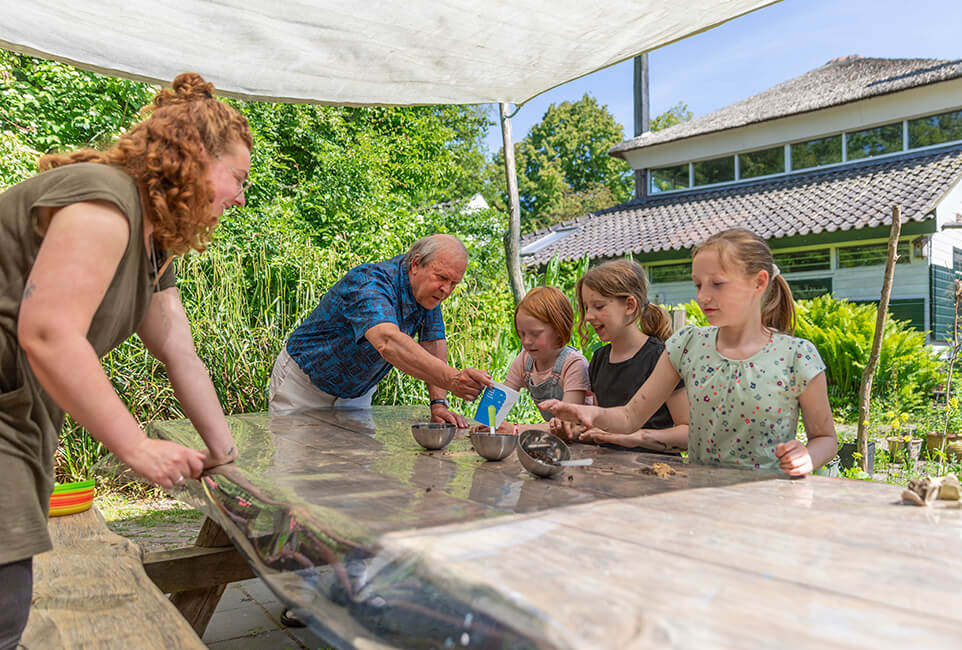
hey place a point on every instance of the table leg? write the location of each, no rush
(198, 605)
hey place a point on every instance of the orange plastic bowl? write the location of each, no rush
(71, 498)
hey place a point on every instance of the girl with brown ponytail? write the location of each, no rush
(613, 300)
(85, 251)
(746, 376)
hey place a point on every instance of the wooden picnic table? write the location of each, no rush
(377, 542)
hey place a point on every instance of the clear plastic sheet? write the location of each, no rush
(376, 542)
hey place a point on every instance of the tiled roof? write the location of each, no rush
(845, 197)
(837, 82)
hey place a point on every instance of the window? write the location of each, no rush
(761, 163)
(670, 273)
(809, 288)
(716, 170)
(934, 129)
(870, 255)
(669, 178)
(858, 145)
(816, 260)
(875, 141)
(815, 153)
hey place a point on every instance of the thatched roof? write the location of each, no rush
(840, 81)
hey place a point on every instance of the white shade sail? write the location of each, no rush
(355, 51)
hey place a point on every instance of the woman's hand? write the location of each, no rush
(163, 462)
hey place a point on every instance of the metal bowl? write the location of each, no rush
(533, 444)
(493, 446)
(433, 435)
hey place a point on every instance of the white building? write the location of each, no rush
(814, 165)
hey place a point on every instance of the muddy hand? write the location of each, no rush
(565, 430)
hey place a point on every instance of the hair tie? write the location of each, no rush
(207, 94)
(775, 271)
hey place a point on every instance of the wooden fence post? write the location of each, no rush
(678, 317)
(865, 391)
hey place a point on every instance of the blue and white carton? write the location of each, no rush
(501, 398)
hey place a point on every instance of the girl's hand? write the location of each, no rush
(569, 412)
(793, 458)
(504, 427)
(165, 463)
(565, 430)
(598, 436)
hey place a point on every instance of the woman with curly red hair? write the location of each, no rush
(85, 251)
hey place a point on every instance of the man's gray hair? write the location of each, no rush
(426, 248)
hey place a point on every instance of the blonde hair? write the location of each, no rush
(165, 155)
(743, 248)
(621, 279)
(548, 305)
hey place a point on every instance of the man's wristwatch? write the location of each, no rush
(441, 401)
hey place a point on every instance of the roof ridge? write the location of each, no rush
(847, 197)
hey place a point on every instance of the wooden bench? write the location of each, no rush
(91, 591)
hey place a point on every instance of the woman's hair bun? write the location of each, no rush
(187, 87)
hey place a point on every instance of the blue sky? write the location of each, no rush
(757, 51)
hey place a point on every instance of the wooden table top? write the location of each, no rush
(378, 542)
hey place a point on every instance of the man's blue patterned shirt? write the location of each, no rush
(330, 346)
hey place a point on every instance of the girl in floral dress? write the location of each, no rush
(746, 376)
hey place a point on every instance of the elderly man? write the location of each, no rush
(364, 326)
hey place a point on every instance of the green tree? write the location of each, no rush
(360, 178)
(675, 115)
(564, 169)
(50, 106)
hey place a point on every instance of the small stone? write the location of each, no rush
(909, 496)
(926, 488)
(949, 491)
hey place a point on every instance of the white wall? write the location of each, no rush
(949, 211)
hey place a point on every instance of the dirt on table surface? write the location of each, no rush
(661, 470)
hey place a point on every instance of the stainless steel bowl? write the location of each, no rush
(493, 446)
(534, 444)
(433, 435)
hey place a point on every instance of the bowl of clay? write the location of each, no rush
(433, 435)
(541, 453)
(493, 446)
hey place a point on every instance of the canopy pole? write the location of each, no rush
(642, 113)
(512, 241)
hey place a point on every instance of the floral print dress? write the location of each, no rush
(741, 409)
